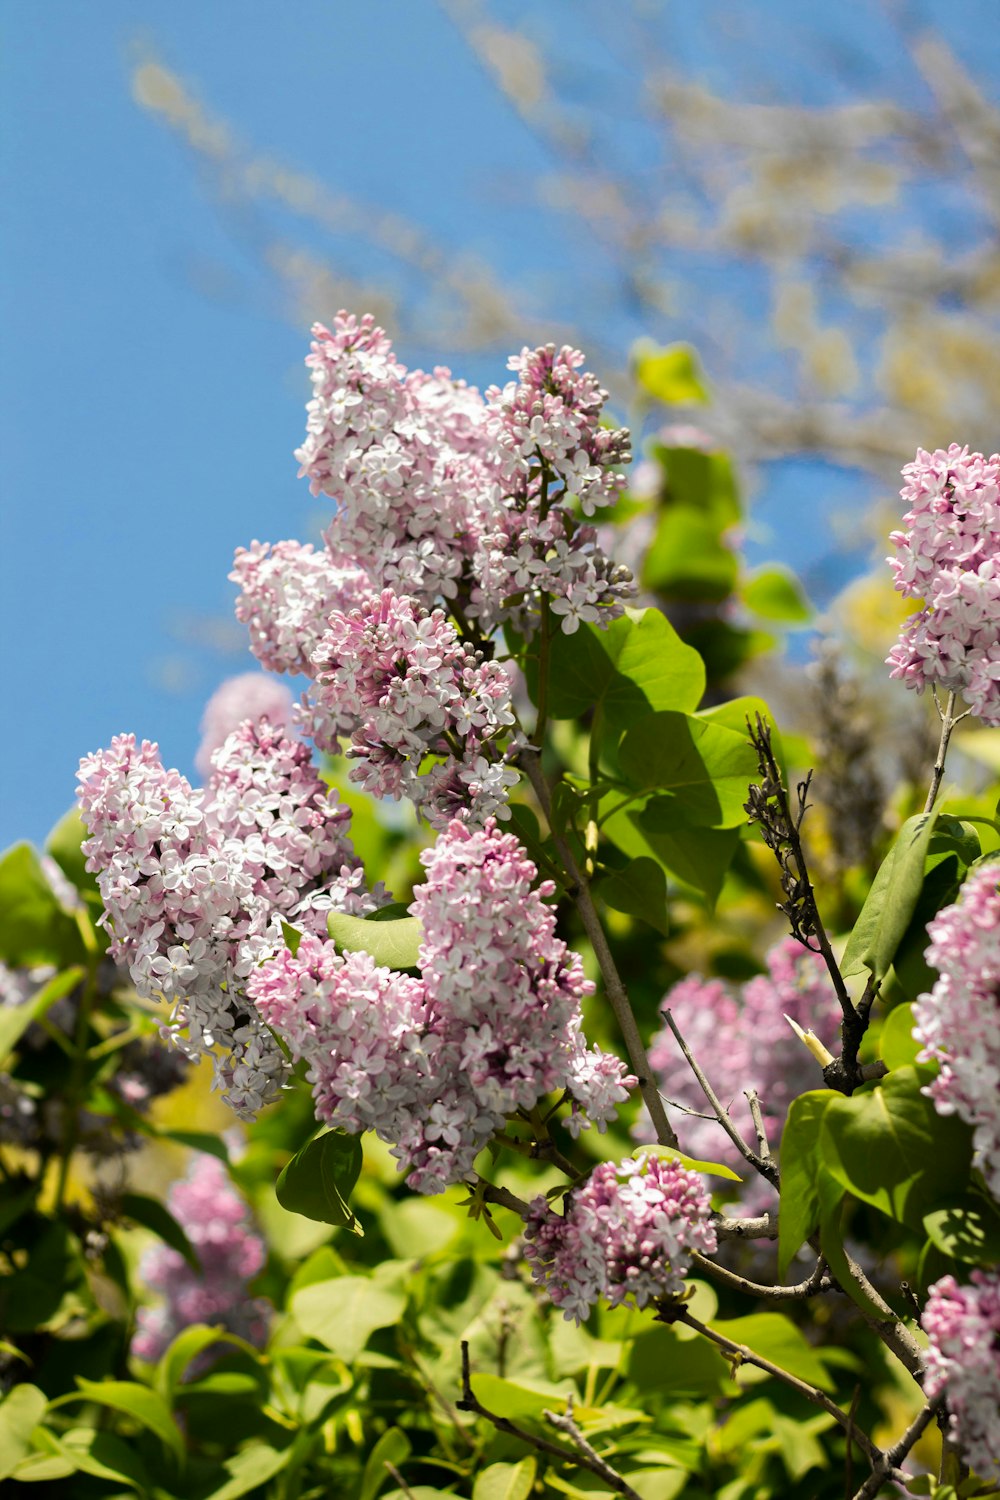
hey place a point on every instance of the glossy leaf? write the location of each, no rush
(709, 1168)
(891, 901)
(953, 848)
(635, 666)
(100, 1454)
(897, 1047)
(890, 1148)
(394, 944)
(700, 771)
(342, 1314)
(248, 1469)
(669, 374)
(144, 1405)
(699, 857)
(640, 890)
(319, 1179)
(151, 1214)
(506, 1481)
(804, 1189)
(776, 1338)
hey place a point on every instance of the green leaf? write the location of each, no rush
(662, 1361)
(640, 890)
(21, 1411)
(699, 857)
(34, 927)
(896, 1045)
(734, 713)
(700, 771)
(63, 843)
(669, 374)
(687, 560)
(248, 1469)
(776, 1338)
(184, 1350)
(342, 1314)
(775, 593)
(292, 937)
(803, 1190)
(154, 1215)
(319, 1179)
(393, 1447)
(890, 1148)
(967, 1229)
(635, 666)
(394, 944)
(15, 1019)
(953, 848)
(140, 1402)
(506, 1481)
(831, 1241)
(891, 901)
(702, 482)
(197, 1140)
(100, 1454)
(710, 1168)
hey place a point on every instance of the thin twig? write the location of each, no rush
(763, 1149)
(765, 1168)
(397, 1476)
(615, 989)
(470, 1402)
(742, 1355)
(948, 719)
(502, 1197)
(593, 1460)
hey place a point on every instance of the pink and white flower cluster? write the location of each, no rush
(958, 1023)
(949, 557)
(442, 494)
(403, 685)
(216, 1220)
(962, 1324)
(250, 695)
(742, 1040)
(626, 1233)
(435, 1065)
(195, 884)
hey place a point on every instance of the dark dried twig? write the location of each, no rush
(887, 1469)
(585, 1456)
(818, 1281)
(563, 1422)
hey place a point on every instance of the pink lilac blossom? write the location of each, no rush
(626, 1234)
(251, 695)
(217, 1222)
(443, 495)
(949, 558)
(287, 592)
(958, 1023)
(413, 689)
(435, 1065)
(195, 884)
(962, 1324)
(742, 1041)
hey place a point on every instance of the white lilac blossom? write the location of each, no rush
(435, 1065)
(962, 1324)
(287, 592)
(217, 1222)
(958, 1023)
(441, 494)
(949, 559)
(742, 1040)
(403, 677)
(250, 695)
(195, 884)
(626, 1234)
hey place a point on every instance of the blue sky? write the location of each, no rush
(151, 387)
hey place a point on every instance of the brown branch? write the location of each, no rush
(763, 1149)
(614, 987)
(589, 1455)
(887, 1470)
(764, 1227)
(743, 1355)
(584, 1457)
(818, 1281)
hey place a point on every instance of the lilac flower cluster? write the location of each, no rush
(195, 884)
(958, 1023)
(250, 695)
(949, 557)
(445, 495)
(400, 681)
(435, 1065)
(962, 1324)
(627, 1233)
(742, 1041)
(287, 593)
(217, 1222)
